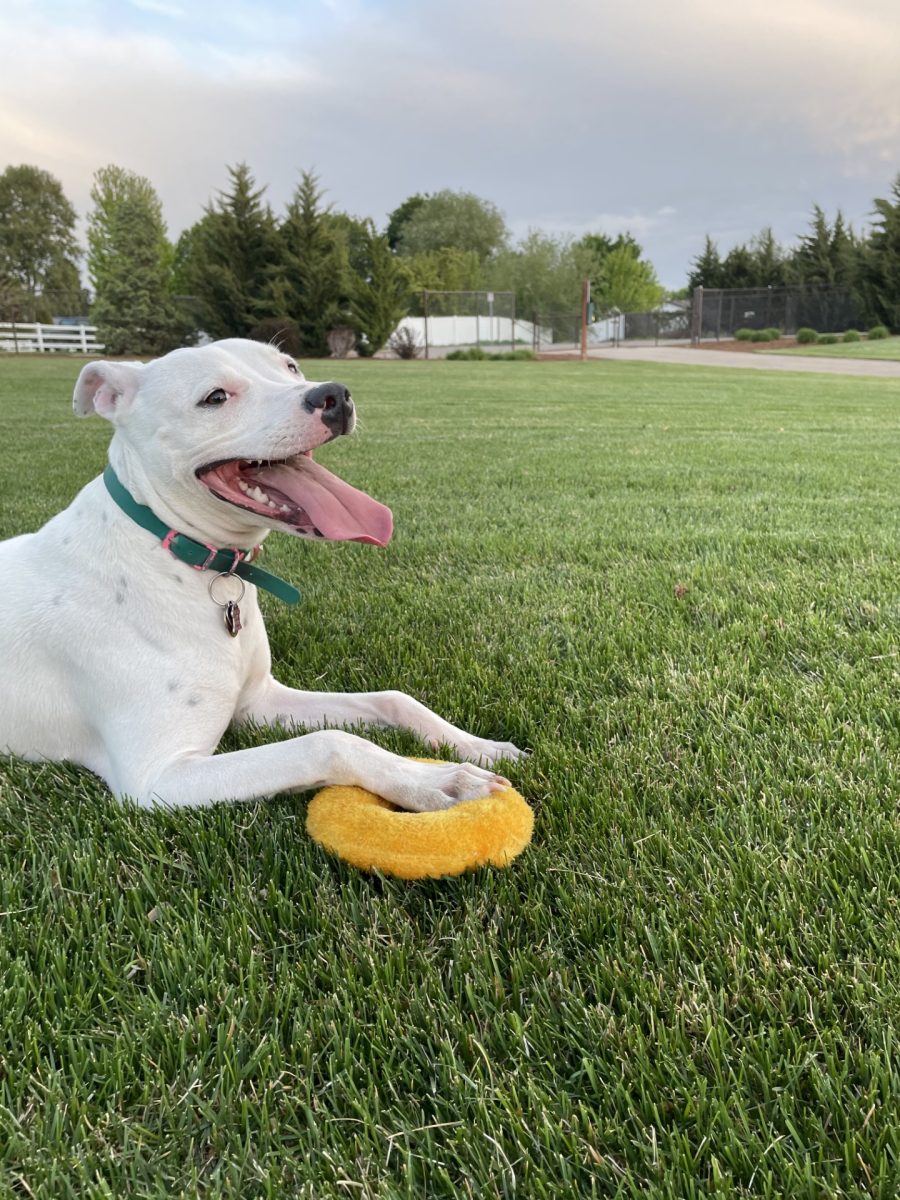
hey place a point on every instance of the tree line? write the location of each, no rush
(829, 255)
(319, 278)
(327, 281)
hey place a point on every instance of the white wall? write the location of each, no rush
(469, 331)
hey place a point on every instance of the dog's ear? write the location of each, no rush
(106, 388)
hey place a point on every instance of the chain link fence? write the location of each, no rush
(449, 320)
(555, 330)
(718, 312)
(668, 323)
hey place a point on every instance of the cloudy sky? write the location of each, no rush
(670, 119)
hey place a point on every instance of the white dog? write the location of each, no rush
(131, 636)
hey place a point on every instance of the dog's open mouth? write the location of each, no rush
(302, 495)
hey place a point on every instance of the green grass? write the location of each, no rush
(888, 348)
(679, 586)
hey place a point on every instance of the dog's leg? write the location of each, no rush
(274, 704)
(324, 757)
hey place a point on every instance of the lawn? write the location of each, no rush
(679, 587)
(888, 348)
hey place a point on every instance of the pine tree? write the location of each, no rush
(227, 260)
(130, 264)
(379, 300)
(738, 268)
(706, 269)
(882, 261)
(814, 263)
(827, 267)
(310, 279)
(768, 260)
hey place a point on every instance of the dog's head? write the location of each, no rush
(222, 436)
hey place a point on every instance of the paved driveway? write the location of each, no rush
(689, 356)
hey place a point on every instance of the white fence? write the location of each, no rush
(470, 331)
(41, 339)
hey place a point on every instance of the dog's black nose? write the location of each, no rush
(335, 404)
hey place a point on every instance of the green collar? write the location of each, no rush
(199, 555)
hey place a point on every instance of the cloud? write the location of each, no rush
(157, 6)
(827, 70)
(667, 120)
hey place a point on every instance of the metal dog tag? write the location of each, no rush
(230, 610)
(233, 618)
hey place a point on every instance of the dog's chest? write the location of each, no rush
(119, 592)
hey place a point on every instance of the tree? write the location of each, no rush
(458, 219)
(598, 245)
(706, 269)
(769, 260)
(881, 261)
(826, 256)
(379, 299)
(739, 268)
(621, 278)
(445, 270)
(38, 250)
(310, 281)
(626, 282)
(227, 260)
(759, 263)
(130, 265)
(352, 239)
(544, 273)
(398, 219)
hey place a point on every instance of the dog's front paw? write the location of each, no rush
(482, 751)
(432, 787)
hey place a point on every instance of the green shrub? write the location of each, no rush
(760, 335)
(743, 335)
(828, 339)
(877, 332)
(852, 335)
(476, 354)
(807, 336)
(774, 334)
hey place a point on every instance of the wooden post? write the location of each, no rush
(585, 301)
(697, 316)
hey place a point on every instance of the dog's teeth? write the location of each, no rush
(243, 486)
(271, 503)
(256, 493)
(285, 508)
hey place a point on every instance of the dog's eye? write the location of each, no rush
(219, 396)
(292, 366)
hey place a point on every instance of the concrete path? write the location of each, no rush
(688, 356)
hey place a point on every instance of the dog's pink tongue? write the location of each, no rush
(340, 512)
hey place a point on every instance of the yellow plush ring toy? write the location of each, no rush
(372, 834)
